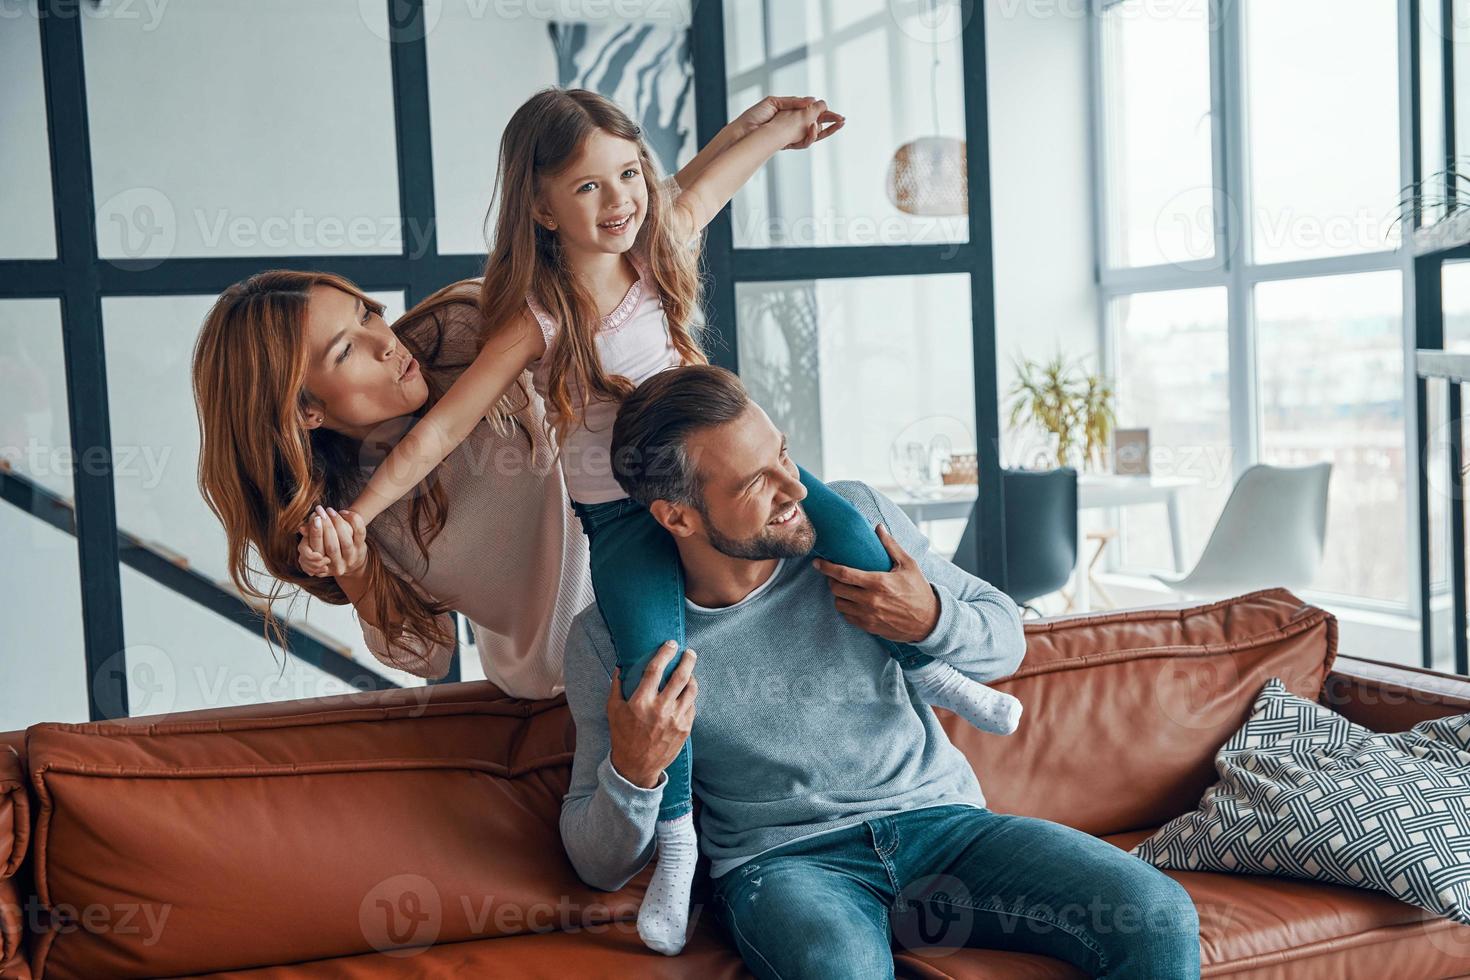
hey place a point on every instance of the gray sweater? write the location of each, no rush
(805, 723)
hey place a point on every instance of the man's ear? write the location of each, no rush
(678, 519)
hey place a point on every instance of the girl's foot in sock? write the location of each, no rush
(989, 710)
(663, 919)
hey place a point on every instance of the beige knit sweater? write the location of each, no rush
(511, 557)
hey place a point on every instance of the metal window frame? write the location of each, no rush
(729, 265)
(79, 280)
(1429, 256)
(1232, 266)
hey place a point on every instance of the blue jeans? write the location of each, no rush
(639, 584)
(839, 904)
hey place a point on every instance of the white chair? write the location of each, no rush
(1270, 533)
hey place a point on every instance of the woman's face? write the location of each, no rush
(358, 371)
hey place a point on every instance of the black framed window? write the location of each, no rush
(170, 169)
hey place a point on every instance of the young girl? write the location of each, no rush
(585, 226)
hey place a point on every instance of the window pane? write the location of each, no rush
(1323, 131)
(264, 129)
(1329, 363)
(871, 379)
(1173, 366)
(39, 570)
(28, 231)
(1156, 125)
(1431, 110)
(1461, 27)
(1455, 290)
(180, 657)
(43, 675)
(896, 75)
(35, 435)
(487, 59)
(155, 437)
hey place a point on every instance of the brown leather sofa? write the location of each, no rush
(414, 832)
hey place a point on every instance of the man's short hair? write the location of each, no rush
(649, 442)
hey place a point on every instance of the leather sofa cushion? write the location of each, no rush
(274, 840)
(15, 813)
(1124, 711)
(1251, 928)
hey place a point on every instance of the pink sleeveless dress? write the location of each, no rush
(633, 341)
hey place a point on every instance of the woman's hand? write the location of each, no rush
(333, 544)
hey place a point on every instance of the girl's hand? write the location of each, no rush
(766, 109)
(809, 124)
(333, 544)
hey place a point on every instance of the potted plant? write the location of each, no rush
(1070, 404)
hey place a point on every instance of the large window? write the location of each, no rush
(365, 143)
(1249, 178)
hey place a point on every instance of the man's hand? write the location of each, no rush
(650, 727)
(898, 605)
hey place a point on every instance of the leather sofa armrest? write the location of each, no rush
(1390, 698)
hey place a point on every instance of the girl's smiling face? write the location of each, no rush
(598, 201)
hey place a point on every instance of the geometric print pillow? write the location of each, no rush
(1305, 793)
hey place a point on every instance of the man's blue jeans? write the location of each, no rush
(639, 584)
(839, 904)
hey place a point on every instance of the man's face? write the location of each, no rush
(752, 494)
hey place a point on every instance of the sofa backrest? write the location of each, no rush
(203, 845)
(392, 819)
(1123, 712)
(15, 829)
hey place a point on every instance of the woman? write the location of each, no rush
(302, 389)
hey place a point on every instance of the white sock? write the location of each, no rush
(987, 709)
(663, 918)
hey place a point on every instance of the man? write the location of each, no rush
(837, 815)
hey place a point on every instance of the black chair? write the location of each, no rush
(1041, 532)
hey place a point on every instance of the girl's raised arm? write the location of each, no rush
(714, 185)
(499, 363)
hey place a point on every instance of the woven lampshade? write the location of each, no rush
(927, 176)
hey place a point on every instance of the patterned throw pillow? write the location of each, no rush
(1306, 793)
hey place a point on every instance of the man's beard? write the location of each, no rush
(769, 543)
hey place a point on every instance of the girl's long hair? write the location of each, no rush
(539, 142)
(262, 470)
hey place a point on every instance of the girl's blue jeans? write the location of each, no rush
(640, 592)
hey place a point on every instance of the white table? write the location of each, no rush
(1094, 490)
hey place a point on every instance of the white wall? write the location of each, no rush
(1041, 182)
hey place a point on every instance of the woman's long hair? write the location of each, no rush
(262, 470)
(539, 142)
